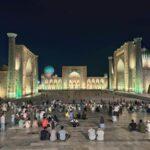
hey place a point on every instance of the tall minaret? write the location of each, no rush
(11, 77)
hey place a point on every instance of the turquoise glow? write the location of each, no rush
(49, 70)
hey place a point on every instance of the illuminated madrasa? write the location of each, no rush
(21, 76)
(73, 78)
(129, 68)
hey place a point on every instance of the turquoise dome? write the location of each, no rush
(49, 70)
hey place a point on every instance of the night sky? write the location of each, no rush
(73, 32)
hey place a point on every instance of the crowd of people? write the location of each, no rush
(45, 115)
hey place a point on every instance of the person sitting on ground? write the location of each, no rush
(100, 134)
(92, 134)
(75, 123)
(63, 134)
(132, 126)
(44, 135)
(141, 126)
(53, 134)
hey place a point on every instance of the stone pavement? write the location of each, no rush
(117, 137)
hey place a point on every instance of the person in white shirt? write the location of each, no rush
(92, 134)
(100, 134)
(63, 134)
(2, 121)
(4, 107)
(13, 119)
(53, 135)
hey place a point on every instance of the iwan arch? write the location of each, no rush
(129, 68)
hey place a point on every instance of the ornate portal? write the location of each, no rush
(22, 73)
(129, 69)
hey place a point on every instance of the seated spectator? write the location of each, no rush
(148, 126)
(92, 134)
(53, 134)
(75, 123)
(132, 126)
(100, 134)
(141, 126)
(44, 135)
(63, 134)
(44, 122)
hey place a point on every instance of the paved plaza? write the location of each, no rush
(117, 137)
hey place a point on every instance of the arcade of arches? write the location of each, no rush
(73, 77)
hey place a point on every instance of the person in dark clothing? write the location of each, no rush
(132, 126)
(110, 110)
(102, 122)
(84, 115)
(44, 135)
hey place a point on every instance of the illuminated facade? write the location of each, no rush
(73, 78)
(22, 74)
(3, 81)
(129, 68)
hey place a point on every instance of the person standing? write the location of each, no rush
(2, 120)
(102, 122)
